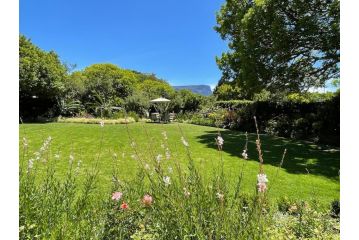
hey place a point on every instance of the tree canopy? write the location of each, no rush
(279, 45)
(41, 76)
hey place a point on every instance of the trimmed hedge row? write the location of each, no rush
(317, 121)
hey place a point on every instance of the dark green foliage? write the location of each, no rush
(42, 77)
(138, 103)
(335, 211)
(279, 45)
(315, 120)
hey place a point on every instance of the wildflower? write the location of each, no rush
(71, 158)
(186, 192)
(147, 167)
(25, 143)
(261, 182)
(219, 141)
(78, 167)
(164, 135)
(102, 124)
(184, 142)
(170, 170)
(116, 196)
(293, 208)
(220, 196)
(167, 180)
(262, 178)
(124, 206)
(115, 155)
(133, 144)
(262, 187)
(244, 154)
(159, 158)
(147, 200)
(168, 154)
(31, 163)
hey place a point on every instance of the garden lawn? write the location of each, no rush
(308, 172)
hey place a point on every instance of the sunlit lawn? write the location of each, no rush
(90, 143)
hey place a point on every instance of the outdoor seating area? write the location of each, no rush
(161, 115)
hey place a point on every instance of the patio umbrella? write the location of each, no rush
(160, 100)
(161, 105)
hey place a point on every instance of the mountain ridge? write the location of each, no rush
(199, 89)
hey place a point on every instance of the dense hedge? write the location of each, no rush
(318, 121)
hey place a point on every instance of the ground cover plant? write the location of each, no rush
(152, 181)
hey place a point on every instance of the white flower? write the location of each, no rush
(164, 135)
(244, 154)
(115, 155)
(78, 167)
(170, 170)
(102, 123)
(167, 180)
(168, 154)
(219, 141)
(186, 192)
(147, 167)
(31, 163)
(159, 158)
(24, 142)
(262, 178)
(220, 196)
(184, 142)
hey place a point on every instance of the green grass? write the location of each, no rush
(91, 142)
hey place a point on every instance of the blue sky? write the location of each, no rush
(173, 39)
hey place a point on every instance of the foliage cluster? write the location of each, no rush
(279, 45)
(49, 88)
(300, 117)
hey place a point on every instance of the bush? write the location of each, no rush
(316, 120)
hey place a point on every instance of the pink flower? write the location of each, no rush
(147, 200)
(116, 196)
(124, 206)
(262, 187)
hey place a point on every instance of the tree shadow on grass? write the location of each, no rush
(301, 155)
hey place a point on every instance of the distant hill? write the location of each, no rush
(200, 89)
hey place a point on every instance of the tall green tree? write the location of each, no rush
(279, 45)
(41, 79)
(106, 82)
